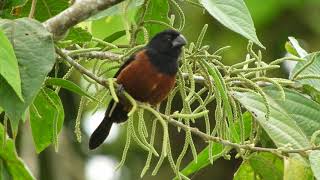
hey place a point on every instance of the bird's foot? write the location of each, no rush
(120, 89)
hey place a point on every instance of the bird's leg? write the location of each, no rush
(120, 89)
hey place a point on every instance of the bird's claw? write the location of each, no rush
(120, 89)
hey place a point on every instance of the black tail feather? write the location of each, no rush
(101, 133)
(117, 115)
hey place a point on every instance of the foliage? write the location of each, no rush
(247, 101)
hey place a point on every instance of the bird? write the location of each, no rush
(148, 76)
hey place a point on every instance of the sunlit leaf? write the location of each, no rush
(117, 9)
(68, 85)
(233, 14)
(266, 166)
(289, 120)
(295, 169)
(157, 10)
(314, 158)
(46, 117)
(295, 44)
(9, 69)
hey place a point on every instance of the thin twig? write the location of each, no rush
(33, 8)
(80, 68)
(93, 55)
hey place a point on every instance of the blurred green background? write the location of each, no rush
(274, 20)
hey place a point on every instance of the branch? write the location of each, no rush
(94, 55)
(197, 78)
(207, 137)
(195, 131)
(79, 11)
(80, 68)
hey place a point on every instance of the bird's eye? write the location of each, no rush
(168, 38)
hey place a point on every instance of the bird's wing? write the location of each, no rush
(125, 64)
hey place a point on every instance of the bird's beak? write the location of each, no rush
(179, 41)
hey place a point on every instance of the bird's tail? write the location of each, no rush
(102, 131)
(115, 113)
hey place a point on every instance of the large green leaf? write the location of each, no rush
(13, 164)
(34, 49)
(294, 169)
(301, 109)
(45, 9)
(46, 117)
(296, 46)
(68, 85)
(9, 65)
(312, 84)
(117, 9)
(287, 118)
(314, 158)
(233, 14)
(218, 150)
(266, 166)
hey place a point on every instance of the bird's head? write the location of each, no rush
(168, 42)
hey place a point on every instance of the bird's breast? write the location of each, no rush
(143, 81)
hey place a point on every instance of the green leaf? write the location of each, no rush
(157, 10)
(4, 173)
(34, 49)
(312, 69)
(117, 9)
(233, 14)
(115, 24)
(78, 35)
(287, 118)
(295, 169)
(9, 66)
(301, 109)
(8, 5)
(217, 149)
(314, 158)
(46, 118)
(203, 158)
(299, 50)
(266, 166)
(13, 164)
(245, 171)
(45, 9)
(68, 85)
(14, 3)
